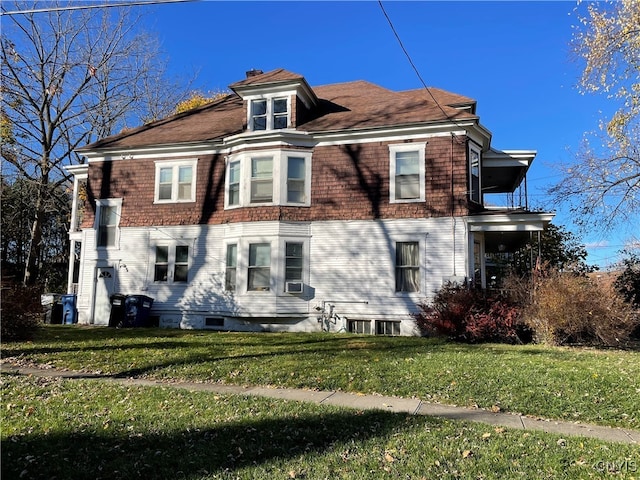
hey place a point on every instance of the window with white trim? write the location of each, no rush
(407, 172)
(407, 267)
(359, 326)
(175, 182)
(107, 222)
(261, 180)
(387, 327)
(275, 177)
(259, 267)
(296, 180)
(269, 114)
(293, 261)
(171, 264)
(234, 183)
(475, 192)
(232, 267)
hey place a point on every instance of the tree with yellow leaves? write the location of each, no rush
(198, 99)
(603, 185)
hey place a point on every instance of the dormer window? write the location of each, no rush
(269, 114)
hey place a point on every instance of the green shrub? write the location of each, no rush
(472, 316)
(21, 312)
(566, 308)
(628, 281)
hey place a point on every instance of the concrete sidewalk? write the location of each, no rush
(367, 402)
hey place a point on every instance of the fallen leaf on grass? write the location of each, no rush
(467, 454)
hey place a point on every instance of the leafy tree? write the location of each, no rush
(559, 249)
(628, 282)
(69, 77)
(602, 187)
(18, 204)
(198, 99)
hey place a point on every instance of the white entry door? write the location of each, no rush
(104, 290)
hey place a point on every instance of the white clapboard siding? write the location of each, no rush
(350, 266)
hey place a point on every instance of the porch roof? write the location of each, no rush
(507, 229)
(509, 220)
(504, 170)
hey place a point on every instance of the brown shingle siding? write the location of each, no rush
(348, 182)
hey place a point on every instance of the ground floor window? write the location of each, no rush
(171, 264)
(387, 327)
(259, 267)
(407, 267)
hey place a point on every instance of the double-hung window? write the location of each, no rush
(276, 177)
(475, 193)
(294, 260)
(175, 182)
(259, 114)
(269, 114)
(261, 180)
(407, 267)
(234, 184)
(108, 219)
(171, 264)
(407, 172)
(259, 268)
(296, 180)
(232, 267)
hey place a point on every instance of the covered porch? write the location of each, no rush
(495, 234)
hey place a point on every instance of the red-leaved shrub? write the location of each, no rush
(472, 316)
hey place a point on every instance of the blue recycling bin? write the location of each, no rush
(69, 311)
(137, 308)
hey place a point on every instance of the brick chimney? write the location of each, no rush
(253, 72)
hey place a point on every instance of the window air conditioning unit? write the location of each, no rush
(293, 287)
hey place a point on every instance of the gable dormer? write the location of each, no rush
(275, 100)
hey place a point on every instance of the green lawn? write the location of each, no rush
(586, 385)
(90, 429)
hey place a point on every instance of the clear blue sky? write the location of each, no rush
(514, 58)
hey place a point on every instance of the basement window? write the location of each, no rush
(387, 327)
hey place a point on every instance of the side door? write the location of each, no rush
(104, 289)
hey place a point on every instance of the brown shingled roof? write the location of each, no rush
(274, 76)
(343, 106)
(216, 120)
(362, 104)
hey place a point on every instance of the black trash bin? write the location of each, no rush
(69, 311)
(137, 308)
(52, 307)
(117, 316)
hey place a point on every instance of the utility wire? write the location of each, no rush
(415, 69)
(85, 7)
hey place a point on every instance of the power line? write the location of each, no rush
(85, 7)
(415, 69)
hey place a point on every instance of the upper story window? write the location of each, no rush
(261, 180)
(107, 221)
(234, 183)
(269, 114)
(475, 189)
(175, 182)
(407, 173)
(271, 177)
(296, 180)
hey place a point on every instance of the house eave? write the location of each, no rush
(509, 221)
